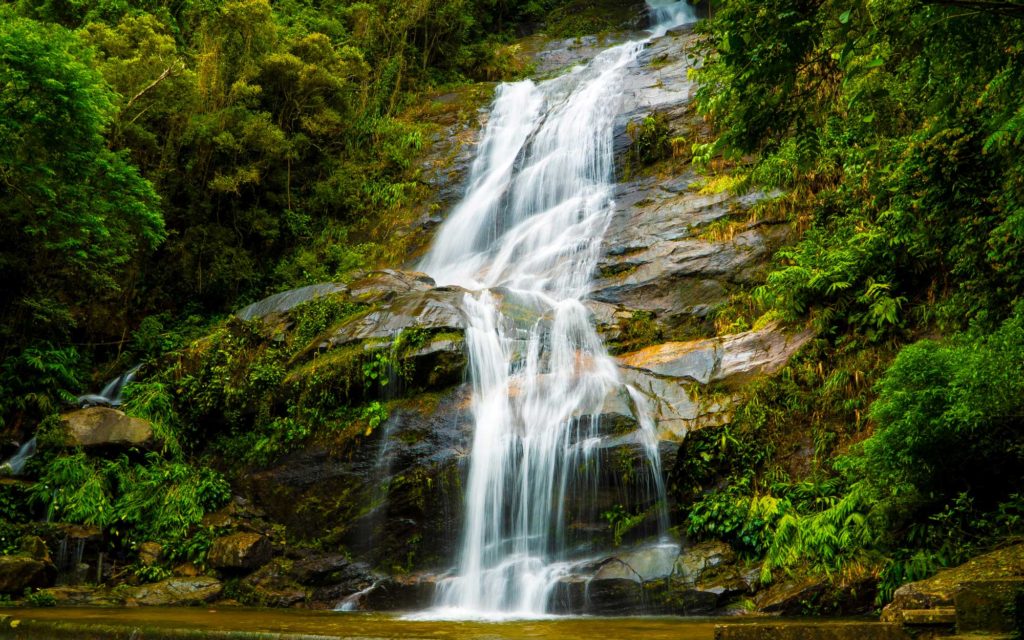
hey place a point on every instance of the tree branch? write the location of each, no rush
(168, 72)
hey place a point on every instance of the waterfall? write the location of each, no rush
(112, 393)
(16, 464)
(671, 13)
(526, 238)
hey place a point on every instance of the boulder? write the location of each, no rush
(240, 551)
(401, 593)
(272, 586)
(331, 569)
(698, 563)
(651, 563)
(388, 283)
(102, 427)
(34, 547)
(615, 596)
(175, 592)
(18, 573)
(83, 596)
(792, 597)
(979, 580)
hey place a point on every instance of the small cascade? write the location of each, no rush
(352, 602)
(111, 395)
(70, 569)
(526, 238)
(667, 14)
(16, 464)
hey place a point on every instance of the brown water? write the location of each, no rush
(366, 625)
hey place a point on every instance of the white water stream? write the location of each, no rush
(526, 238)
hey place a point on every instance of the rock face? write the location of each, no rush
(240, 551)
(273, 307)
(732, 359)
(18, 573)
(393, 500)
(672, 375)
(97, 427)
(704, 579)
(176, 592)
(655, 257)
(432, 309)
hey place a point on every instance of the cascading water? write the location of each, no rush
(112, 393)
(527, 237)
(669, 13)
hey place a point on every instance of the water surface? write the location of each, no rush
(376, 625)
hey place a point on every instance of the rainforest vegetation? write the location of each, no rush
(894, 132)
(164, 164)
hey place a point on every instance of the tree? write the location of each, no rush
(74, 213)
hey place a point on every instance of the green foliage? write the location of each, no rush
(155, 500)
(895, 130)
(39, 599)
(621, 522)
(740, 518)
(76, 213)
(649, 142)
(37, 381)
(937, 481)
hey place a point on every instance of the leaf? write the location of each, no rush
(844, 17)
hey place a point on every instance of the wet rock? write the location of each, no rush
(677, 406)
(671, 597)
(400, 593)
(272, 585)
(791, 597)
(273, 307)
(18, 573)
(655, 259)
(615, 596)
(34, 547)
(386, 284)
(656, 83)
(651, 563)
(569, 596)
(393, 499)
(150, 553)
(176, 592)
(333, 576)
(240, 551)
(83, 596)
(990, 606)
(436, 309)
(732, 359)
(942, 589)
(322, 569)
(670, 375)
(102, 427)
(697, 563)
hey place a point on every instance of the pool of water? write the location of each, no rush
(374, 625)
